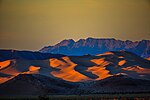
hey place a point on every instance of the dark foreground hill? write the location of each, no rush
(28, 84)
(35, 84)
(16, 54)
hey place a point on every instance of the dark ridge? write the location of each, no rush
(29, 55)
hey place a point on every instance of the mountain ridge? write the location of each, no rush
(95, 46)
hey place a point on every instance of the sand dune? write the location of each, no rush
(33, 68)
(4, 79)
(138, 69)
(148, 58)
(122, 62)
(8, 70)
(79, 68)
(98, 61)
(104, 54)
(100, 69)
(67, 71)
(4, 64)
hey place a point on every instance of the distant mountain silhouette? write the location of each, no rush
(95, 46)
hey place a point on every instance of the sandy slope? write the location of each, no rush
(100, 69)
(4, 64)
(67, 71)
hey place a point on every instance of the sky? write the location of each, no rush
(33, 24)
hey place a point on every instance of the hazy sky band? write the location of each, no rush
(32, 24)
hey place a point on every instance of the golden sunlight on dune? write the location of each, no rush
(98, 61)
(4, 64)
(13, 73)
(148, 58)
(11, 70)
(3, 79)
(106, 53)
(100, 69)
(34, 68)
(67, 71)
(8, 70)
(122, 62)
(138, 69)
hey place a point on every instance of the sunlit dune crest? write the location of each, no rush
(8, 70)
(11, 70)
(100, 69)
(138, 69)
(106, 53)
(98, 61)
(4, 64)
(33, 68)
(122, 62)
(3, 79)
(54, 62)
(67, 71)
(148, 58)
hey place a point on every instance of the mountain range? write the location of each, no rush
(95, 46)
(35, 73)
